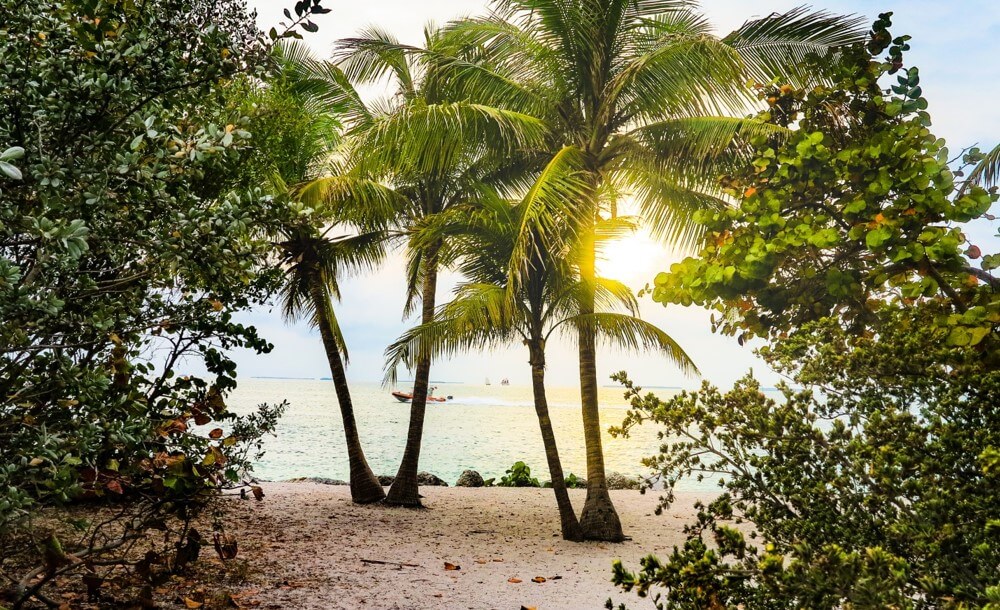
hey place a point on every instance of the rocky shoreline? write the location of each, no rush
(471, 478)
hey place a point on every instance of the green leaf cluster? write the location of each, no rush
(859, 208)
(129, 242)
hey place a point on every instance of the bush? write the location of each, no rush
(874, 484)
(129, 240)
(518, 475)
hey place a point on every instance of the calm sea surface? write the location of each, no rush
(483, 428)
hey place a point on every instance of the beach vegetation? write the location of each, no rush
(129, 243)
(870, 479)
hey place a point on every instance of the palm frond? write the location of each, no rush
(375, 55)
(716, 144)
(432, 139)
(777, 46)
(547, 210)
(353, 199)
(479, 316)
(633, 334)
(986, 173)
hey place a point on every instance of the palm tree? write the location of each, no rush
(312, 262)
(489, 311)
(645, 93)
(302, 137)
(418, 161)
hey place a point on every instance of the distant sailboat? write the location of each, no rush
(487, 381)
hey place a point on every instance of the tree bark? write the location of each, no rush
(570, 526)
(365, 488)
(404, 490)
(599, 519)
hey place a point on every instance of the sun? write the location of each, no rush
(634, 259)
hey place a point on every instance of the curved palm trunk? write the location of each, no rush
(570, 526)
(599, 519)
(365, 488)
(404, 490)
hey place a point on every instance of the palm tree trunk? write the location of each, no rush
(599, 519)
(365, 488)
(567, 517)
(404, 490)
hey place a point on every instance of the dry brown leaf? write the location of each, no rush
(190, 603)
(538, 579)
(451, 566)
(481, 561)
(498, 559)
(258, 492)
(529, 608)
(216, 433)
(514, 580)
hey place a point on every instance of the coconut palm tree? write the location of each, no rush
(646, 95)
(313, 262)
(418, 161)
(489, 311)
(302, 138)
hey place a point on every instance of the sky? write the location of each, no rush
(955, 45)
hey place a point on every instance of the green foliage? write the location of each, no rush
(130, 238)
(858, 205)
(863, 487)
(572, 482)
(873, 482)
(518, 475)
(575, 482)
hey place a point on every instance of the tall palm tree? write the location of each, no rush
(645, 93)
(302, 137)
(312, 263)
(490, 311)
(421, 160)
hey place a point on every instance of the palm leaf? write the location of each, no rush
(633, 334)
(777, 46)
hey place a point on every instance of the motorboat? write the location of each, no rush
(407, 397)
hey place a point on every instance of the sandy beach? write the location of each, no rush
(306, 544)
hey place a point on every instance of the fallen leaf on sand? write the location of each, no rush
(555, 577)
(498, 559)
(481, 561)
(514, 580)
(190, 603)
(528, 608)
(538, 579)
(451, 566)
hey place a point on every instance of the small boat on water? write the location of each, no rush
(407, 397)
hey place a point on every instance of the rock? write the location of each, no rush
(617, 480)
(320, 480)
(385, 480)
(469, 478)
(428, 479)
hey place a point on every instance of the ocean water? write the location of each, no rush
(483, 428)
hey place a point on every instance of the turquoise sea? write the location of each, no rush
(483, 428)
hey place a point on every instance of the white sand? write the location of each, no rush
(308, 541)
